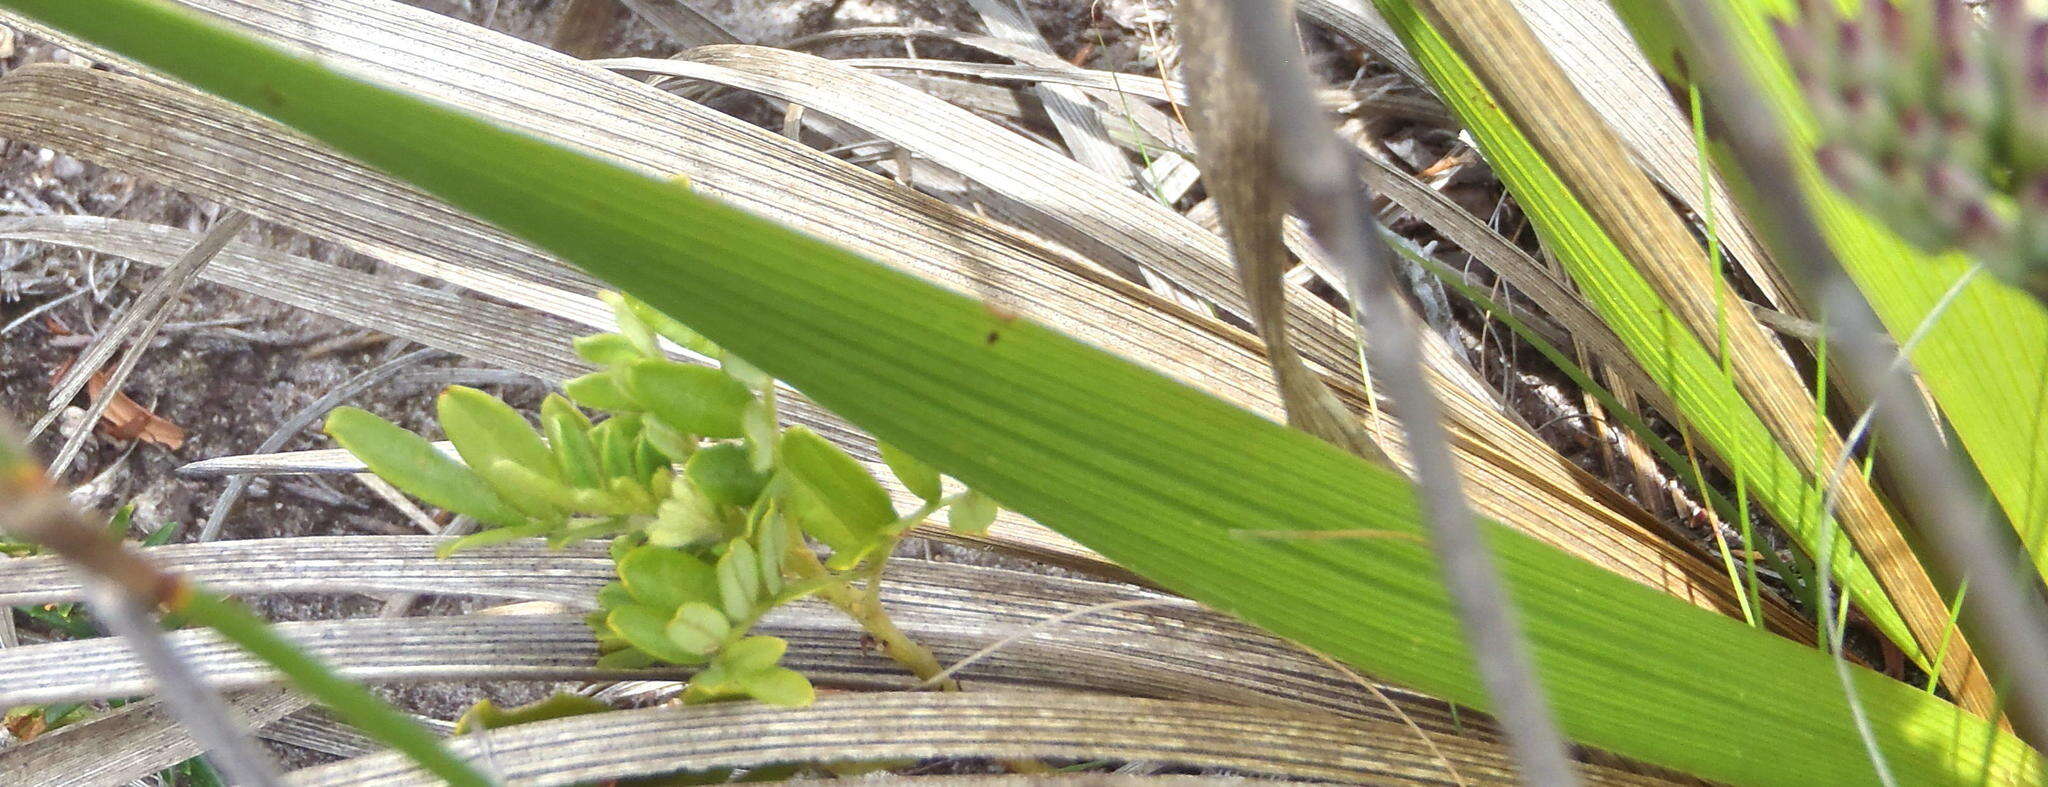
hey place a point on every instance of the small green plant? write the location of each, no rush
(704, 495)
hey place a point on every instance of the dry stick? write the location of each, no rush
(2010, 617)
(687, 27)
(1071, 113)
(166, 285)
(150, 309)
(297, 422)
(1329, 193)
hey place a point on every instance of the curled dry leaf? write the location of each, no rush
(127, 419)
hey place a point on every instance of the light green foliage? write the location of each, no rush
(831, 496)
(600, 391)
(694, 399)
(412, 464)
(699, 548)
(725, 474)
(916, 476)
(568, 435)
(973, 513)
(667, 578)
(607, 349)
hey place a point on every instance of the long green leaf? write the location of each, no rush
(1687, 369)
(1149, 472)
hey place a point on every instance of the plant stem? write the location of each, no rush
(191, 701)
(868, 613)
(348, 699)
(865, 608)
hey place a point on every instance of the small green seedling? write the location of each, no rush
(701, 490)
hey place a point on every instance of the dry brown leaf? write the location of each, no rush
(127, 419)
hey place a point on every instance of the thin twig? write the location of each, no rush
(2004, 612)
(297, 422)
(1330, 194)
(41, 308)
(1045, 625)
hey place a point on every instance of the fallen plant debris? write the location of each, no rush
(126, 419)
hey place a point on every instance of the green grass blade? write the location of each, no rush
(347, 699)
(1986, 358)
(1147, 471)
(1687, 369)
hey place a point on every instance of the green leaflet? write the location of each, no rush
(725, 474)
(1144, 470)
(666, 578)
(739, 580)
(920, 478)
(568, 433)
(485, 430)
(698, 628)
(778, 686)
(973, 513)
(601, 391)
(646, 628)
(832, 496)
(412, 464)
(607, 349)
(486, 715)
(631, 328)
(698, 400)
